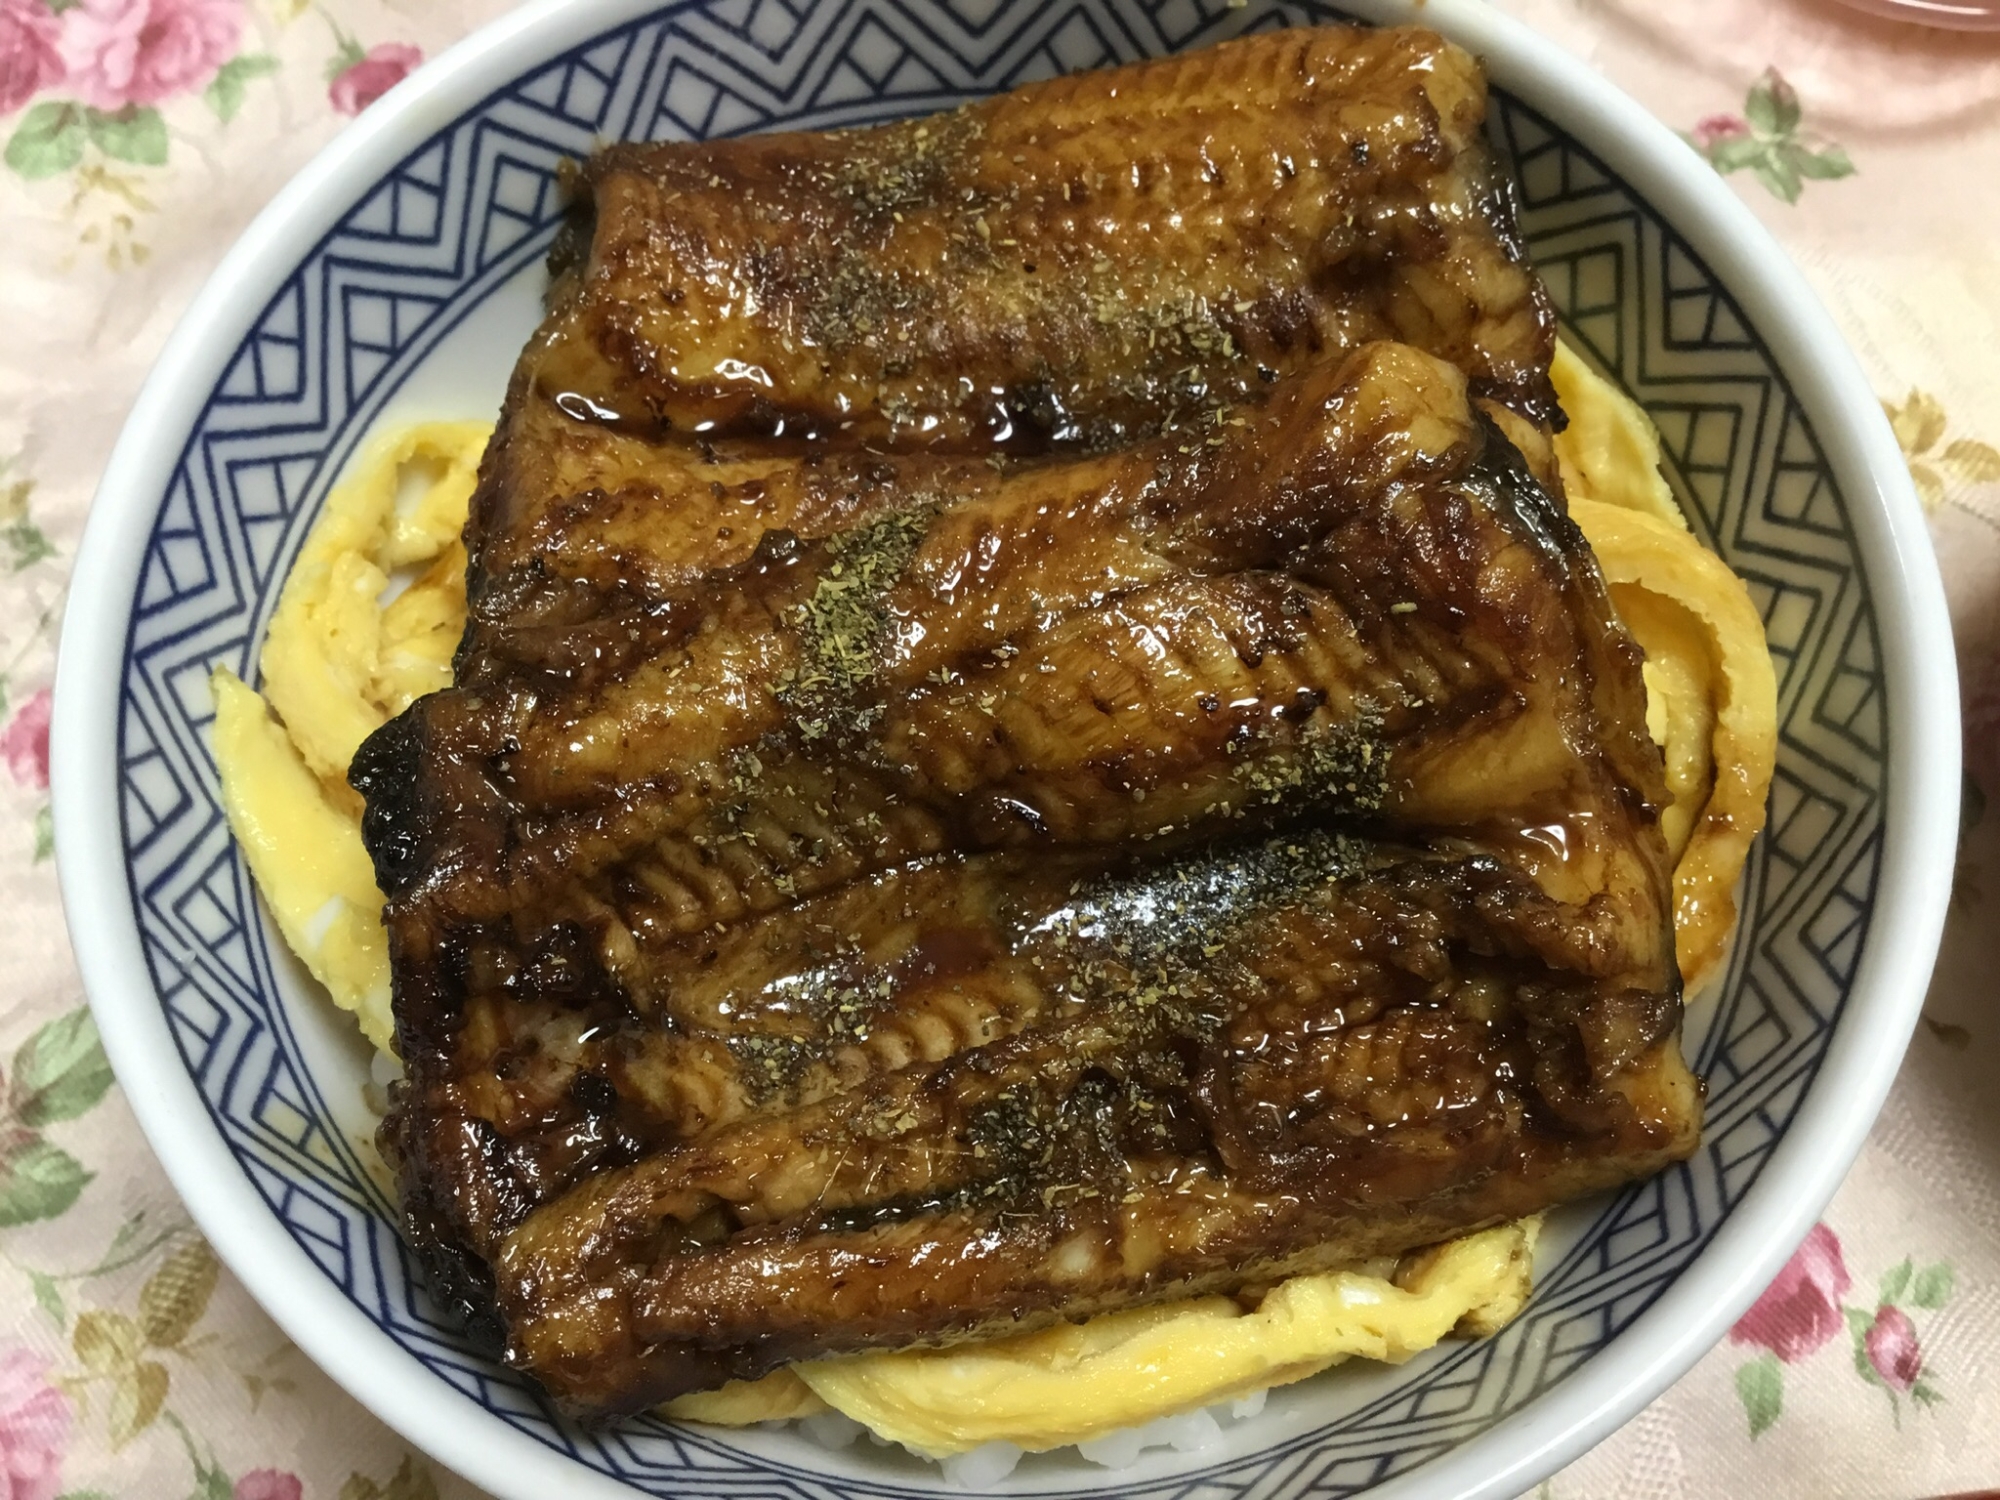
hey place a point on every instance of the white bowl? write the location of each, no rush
(398, 277)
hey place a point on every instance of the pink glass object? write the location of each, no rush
(1954, 15)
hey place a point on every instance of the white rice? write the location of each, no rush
(384, 1068)
(1188, 1433)
(982, 1468)
(320, 923)
(832, 1429)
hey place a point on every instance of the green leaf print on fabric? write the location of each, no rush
(211, 1480)
(26, 544)
(38, 1181)
(225, 94)
(59, 1072)
(1932, 1288)
(48, 141)
(1771, 106)
(1766, 140)
(48, 1297)
(133, 134)
(1897, 1280)
(1761, 1386)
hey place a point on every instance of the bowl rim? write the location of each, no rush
(1919, 812)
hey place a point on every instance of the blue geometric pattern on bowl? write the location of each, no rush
(479, 201)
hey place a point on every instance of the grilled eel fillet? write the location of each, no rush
(1074, 262)
(858, 892)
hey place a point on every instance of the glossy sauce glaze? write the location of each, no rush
(894, 866)
(1078, 262)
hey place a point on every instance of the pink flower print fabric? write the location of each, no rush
(1800, 1310)
(1713, 128)
(34, 1428)
(378, 70)
(24, 743)
(121, 52)
(1892, 1348)
(30, 52)
(268, 1484)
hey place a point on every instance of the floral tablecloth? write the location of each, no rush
(140, 136)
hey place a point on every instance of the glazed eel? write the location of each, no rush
(1028, 738)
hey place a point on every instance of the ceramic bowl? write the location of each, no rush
(397, 278)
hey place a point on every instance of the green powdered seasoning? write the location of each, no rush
(844, 624)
